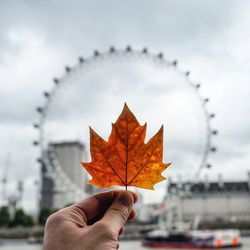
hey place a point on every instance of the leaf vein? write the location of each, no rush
(143, 165)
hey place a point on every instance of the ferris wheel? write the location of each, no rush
(97, 87)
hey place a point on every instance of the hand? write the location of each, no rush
(92, 224)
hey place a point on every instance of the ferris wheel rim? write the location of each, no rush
(128, 52)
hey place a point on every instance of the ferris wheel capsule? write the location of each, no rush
(67, 69)
(215, 132)
(160, 55)
(46, 94)
(128, 49)
(81, 60)
(56, 81)
(174, 63)
(112, 49)
(213, 149)
(96, 53)
(35, 125)
(39, 109)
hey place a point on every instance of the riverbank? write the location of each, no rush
(21, 232)
(125, 245)
(24, 233)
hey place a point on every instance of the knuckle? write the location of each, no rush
(105, 230)
(102, 226)
(55, 219)
(121, 212)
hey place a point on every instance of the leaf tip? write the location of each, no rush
(167, 164)
(92, 131)
(125, 107)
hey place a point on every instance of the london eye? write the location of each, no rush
(92, 92)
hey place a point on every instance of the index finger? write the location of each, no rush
(95, 206)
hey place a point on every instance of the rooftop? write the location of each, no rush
(212, 187)
(67, 143)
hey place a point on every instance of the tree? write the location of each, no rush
(22, 219)
(44, 213)
(4, 217)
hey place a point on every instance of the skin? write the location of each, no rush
(92, 224)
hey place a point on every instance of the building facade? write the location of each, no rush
(69, 155)
(222, 203)
(68, 176)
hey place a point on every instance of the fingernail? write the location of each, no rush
(125, 198)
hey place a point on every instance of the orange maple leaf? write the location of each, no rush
(125, 160)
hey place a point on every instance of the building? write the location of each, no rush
(69, 155)
(46, 189)
(63, 177)
(222, 203)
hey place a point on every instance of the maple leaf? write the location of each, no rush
(125, 160)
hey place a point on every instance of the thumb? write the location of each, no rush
(117, 214)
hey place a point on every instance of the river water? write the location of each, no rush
(125, 245)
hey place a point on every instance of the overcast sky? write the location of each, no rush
(38, 38)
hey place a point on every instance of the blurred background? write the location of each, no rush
(65, 66)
